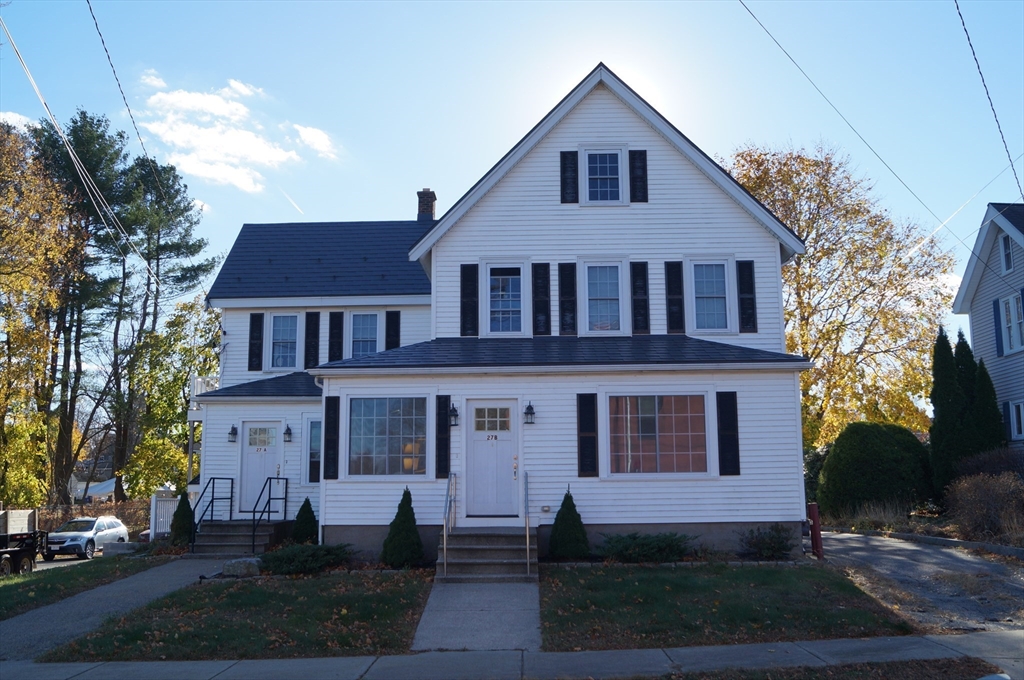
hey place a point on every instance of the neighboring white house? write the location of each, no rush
(992, 293)
(601, 311)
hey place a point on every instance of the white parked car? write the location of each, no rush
(83, 536)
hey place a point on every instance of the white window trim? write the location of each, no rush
(307, 432)
(583, 297)
(1016, 414)
(268, 345)
(344, 445)
(350, 325)
(1005, 248)
(605, 440)
(690, 295)
(584, 194)
(526, 286)
(1011, 325)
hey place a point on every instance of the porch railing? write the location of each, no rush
(448, 523)
(211, 489)
(267, 510)
(526, 514)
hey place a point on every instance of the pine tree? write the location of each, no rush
(568, 537)
(987, 420)
(403, 546)
(947, 435)
(305, 529)
(182, 522)
(966, 368)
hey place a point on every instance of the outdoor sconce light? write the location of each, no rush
(453, 416)
(287, 433)
(233, 434)
(529, 413)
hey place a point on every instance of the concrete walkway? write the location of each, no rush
(1001, 648)
(480, 617)
(30, 634)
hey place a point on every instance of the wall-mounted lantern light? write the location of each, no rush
(453, 416)
(287, 433)
(233, 434)
(528, 414)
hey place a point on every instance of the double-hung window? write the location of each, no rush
(364, 335)
(1006, 250)
(603, 284)
(284, 341)
(603, 177)
(1013, 323)
(710, 296)
(388, 436)
(505, 302)
(1017, 420)
(656, 434)
(313, 451)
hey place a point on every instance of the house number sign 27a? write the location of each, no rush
(491, 437)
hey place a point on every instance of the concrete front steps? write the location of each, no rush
(224, 538)
(489, 555)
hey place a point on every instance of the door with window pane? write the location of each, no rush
(492, 461)
(261, 458)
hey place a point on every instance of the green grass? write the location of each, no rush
(335, 614)
(623, 607)
(19, 594)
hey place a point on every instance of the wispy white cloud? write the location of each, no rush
(318, 140)
(237, 88)
(151, 78)
(205, 105)
(16, 119)
(202, 206)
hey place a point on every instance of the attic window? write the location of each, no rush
(604, 179)
(1007, 251)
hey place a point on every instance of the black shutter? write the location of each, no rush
(641, 306)
(336, 336)
(332, 436)
(470, 311)
(674, 297)
(728, 434)
(392, 330)
(747, 296)
(567, 298)
(311, 356)
(541, 277)
(256, 341)
(442, 438)
(570, 177)
(637, 176)
(999, 328)
(586, 426)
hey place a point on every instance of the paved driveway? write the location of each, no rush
(948, 588)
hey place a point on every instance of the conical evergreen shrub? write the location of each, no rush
(948, 441)
(403, 546)
(306, 529)
(568, 537)
(989, 430)
(182, 522)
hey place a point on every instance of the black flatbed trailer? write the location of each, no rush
(18, 551)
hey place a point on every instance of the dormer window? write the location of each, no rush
(1006, 246)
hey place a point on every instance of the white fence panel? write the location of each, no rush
(161, 511)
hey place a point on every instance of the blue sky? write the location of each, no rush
(307, 111)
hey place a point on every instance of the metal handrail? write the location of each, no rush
(526, 513)
(266, 510)
(448, 522)
(211, 486)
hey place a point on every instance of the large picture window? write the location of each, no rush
(506, 300)
(388, 436)
(284, 338)
(654, 434)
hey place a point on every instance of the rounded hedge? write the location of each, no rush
(872, 462)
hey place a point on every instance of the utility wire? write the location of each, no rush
(987, 94)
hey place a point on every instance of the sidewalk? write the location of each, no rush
(1002, 648)
(480, 617)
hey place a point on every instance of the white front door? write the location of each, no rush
(261, 458)
(492, 486)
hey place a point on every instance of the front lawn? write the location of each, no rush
(19, 594)
(631, 607)
(334, 614)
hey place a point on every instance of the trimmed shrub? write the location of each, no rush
(182, 522)
(814, 459)
(306, 559)
(774, 543)
(872, 462)
(306, 529)
(403, 546)
(568, 537)
(650, 548)
(987, 506)
(993, 462)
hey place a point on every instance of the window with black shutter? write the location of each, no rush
(586, 425)
(637, 176)
(728, 434)
(336, 336)
(640, 298)
(442, 437)
(674, 297)
(256, 341)
(311, 352)
(747, 297)
(567, 298)
(541, 278)
(570, 176)
(469, 284)
(332, 436)
(392, 329)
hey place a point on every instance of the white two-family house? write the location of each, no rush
(602, 311)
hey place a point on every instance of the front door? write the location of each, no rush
(492, 461)
(261, 458)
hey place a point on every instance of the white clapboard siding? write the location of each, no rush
(686, 216)
(769, 488)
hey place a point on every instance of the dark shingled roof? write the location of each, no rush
(563, 351)
(1013, 212)
(299, 384)
(322, 259)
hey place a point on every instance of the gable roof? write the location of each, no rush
(1008, 217)
(323, 259)
(293, 385)
(791, 243)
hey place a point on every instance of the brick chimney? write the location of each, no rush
(426, 209)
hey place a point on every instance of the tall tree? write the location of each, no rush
(862, 301)
(985, 415)
(948, 440)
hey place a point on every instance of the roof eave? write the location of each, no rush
(563, 368)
